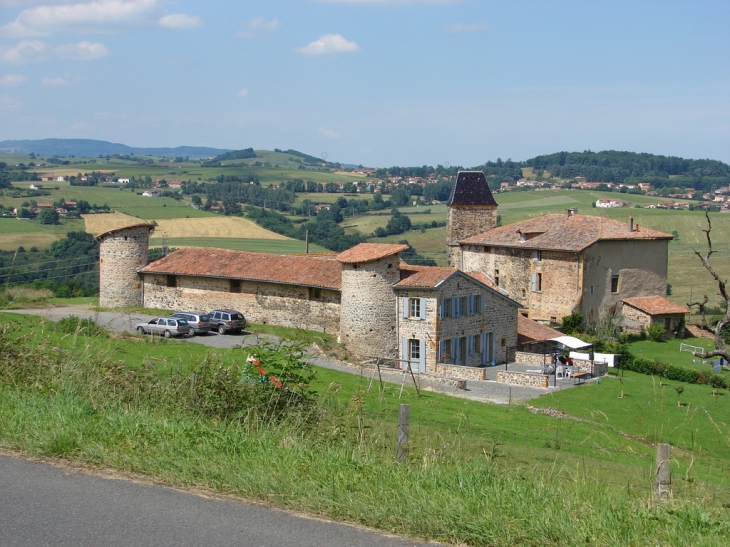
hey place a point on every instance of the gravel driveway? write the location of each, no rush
(485, 391)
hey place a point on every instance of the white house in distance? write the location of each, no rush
(603, 203)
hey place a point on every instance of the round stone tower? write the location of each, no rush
(121, 252)
(472, 210)
(368, 303)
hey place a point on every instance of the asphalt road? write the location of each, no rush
(42, 505)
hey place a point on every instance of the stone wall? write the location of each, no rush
(464, 221)
(523, 379)
(457, 371)
(368, 313)
(285, 305)
(121, 253)
(537, 359)
(640, 264)
(513, 268)
(499, 318)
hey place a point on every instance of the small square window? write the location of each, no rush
(315, 293)
(172, 281)
(235, 285)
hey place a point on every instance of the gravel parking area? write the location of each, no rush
(485, 391)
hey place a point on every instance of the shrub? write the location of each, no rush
(573, 323)
(655, 332)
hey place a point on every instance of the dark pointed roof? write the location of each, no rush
(471, 188)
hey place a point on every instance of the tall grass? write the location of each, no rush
(323, 459)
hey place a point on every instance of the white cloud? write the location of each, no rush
(180, 21)
(24, 52)
(83, 51)
(96, 16)
(329, 44)
(8, 103)
(463, 27)
(12, 80)
(328, 133)
(54, 82)
(242, 93)
(256, 26)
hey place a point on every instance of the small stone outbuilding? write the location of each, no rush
(642, 312)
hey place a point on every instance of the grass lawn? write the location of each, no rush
(30, 233)
(668, 352)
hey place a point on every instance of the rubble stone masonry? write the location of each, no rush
(121, 252)
(368, 312)
(271, 303)
(465, 221)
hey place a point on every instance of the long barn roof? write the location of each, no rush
(310, 271)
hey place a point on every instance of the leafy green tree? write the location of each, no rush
(48, 216)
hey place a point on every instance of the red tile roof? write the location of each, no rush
(427, 277)
(484, 278)
(368, 252)
(655, 305)
(562, 233)
(532, 331)
(309, 271)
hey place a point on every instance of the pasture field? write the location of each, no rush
(30, 233)
(276, 246)
(154, 210)
(326, 197)
(215, 226)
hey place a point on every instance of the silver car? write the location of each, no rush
(198, 321)
(165, 326)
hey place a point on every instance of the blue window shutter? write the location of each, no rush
(470, 304)
(453, 348)
(441, 355)
(422, 353)
(480, 304)
(485, 357)
(422, 310)
(405, 307)
(442, 305)
(404, 349)
(534, 282)
(455, 307)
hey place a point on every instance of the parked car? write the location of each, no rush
(165, 326)
(198, 321)
(227, 321)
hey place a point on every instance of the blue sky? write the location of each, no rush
(372, 82)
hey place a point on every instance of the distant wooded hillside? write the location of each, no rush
(93, 148)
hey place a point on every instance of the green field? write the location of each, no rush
(254, 245)
(30, 233)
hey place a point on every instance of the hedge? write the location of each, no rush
(686, 375)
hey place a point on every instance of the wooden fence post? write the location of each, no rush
(662, 476)
(404, 415)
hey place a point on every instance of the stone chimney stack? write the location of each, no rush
(631, 223)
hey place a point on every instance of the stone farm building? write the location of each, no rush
(555, 264)
(450, 320)
(375, 303)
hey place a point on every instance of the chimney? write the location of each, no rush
(631, 223)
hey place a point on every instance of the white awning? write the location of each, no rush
(570, 342)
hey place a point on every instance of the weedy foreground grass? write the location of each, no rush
(222, 433)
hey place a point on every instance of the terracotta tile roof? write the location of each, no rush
(483, 278)
(654, 305)
(562, 233)
(309, 271)
(368, 252)
(532, 331)
(427, 277)
(471, 188)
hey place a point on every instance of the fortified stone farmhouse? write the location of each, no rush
(438, 318)
(555, 264)
(447, 320)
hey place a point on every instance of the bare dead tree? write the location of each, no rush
(721, 351)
